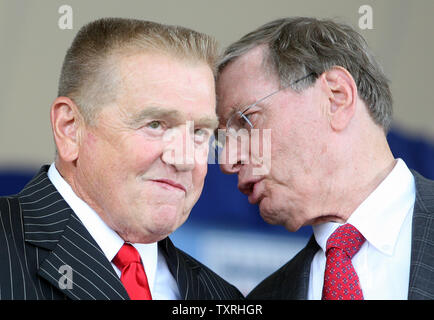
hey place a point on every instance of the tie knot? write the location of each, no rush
(347, 238)
(126, 255)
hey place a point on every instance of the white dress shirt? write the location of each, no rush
(385, 220)
(161, 282)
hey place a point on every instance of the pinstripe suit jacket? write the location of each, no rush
(291, 281)
(43, 244)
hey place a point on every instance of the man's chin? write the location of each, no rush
(277, 217)
(166, 222)
(150, 234)
(158, 225)
(268, 215)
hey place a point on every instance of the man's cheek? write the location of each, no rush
(201, 156)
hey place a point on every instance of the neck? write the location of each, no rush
(65, 170)
(358, 175)
(68, 172)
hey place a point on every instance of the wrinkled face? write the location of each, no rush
(142, 165)
(290, 192)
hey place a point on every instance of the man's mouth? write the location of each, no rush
(256, 195)
(170, 184)
(253, 189)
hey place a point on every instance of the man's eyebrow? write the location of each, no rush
(154, 113)
(170, 115)
(207, 122)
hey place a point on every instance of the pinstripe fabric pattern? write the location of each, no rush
(42, 240)
(292, 280)
(195, 281)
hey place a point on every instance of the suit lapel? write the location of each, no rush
(185, 274)
(422, 245)
(296, 277)
(74, 262)
(303, 282)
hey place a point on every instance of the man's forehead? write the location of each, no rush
(242, 82)
(166, 85)
(154, 68)
(248, 65)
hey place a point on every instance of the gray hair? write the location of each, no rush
(89, 73)
(299, 46)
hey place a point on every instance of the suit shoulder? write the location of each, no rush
(424, 193)
(10, 219)
(9, 209)
(11, 238)
(4, 201)
(423, 183)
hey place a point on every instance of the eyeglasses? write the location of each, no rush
(240, 120)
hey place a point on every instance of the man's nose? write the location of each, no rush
(179, 149)
(235, 154)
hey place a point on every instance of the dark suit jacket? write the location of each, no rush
(292, 280)
(39, 233)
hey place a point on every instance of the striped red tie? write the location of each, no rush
(340, 279)
(133, 275)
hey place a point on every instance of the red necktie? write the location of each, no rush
(133, 275)
(340, 279)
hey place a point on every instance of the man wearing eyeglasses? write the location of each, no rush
(317, 89)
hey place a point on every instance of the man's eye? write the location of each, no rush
(154, 124)
(200, 132)
(201, 135)
(245, 120)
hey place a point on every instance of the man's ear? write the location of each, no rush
(341, 91)
(66, 123)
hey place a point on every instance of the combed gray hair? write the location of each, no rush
(90, 74)
(299, 46)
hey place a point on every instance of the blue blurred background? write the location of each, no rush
(228, 234)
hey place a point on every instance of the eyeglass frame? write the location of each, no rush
(241, 113)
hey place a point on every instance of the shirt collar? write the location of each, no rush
(107, 239)
(380, 216)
